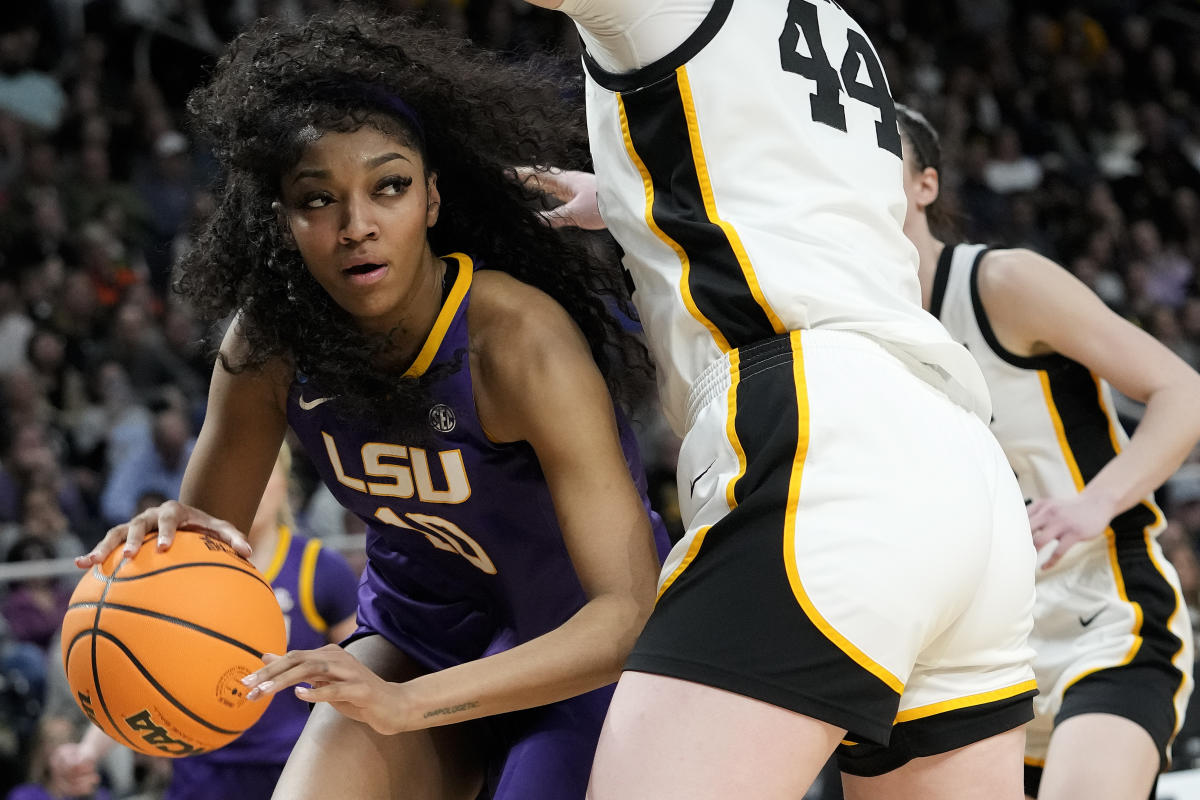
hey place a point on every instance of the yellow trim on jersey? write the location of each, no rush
(283, 543)
(308, 574)
(710, 202)
(688, 558)
(1159, 521)
(685, 262)
(1035, 762)
(921, 712)
(789, 536)
(1110, 535)
(735, 363)
(1059, 432)
(441, 325)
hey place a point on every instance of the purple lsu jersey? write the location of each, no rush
(465, 557)
(315, 588)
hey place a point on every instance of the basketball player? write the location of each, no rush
(459, 411)
(856, 573)
(1111, 631)
(316, 590)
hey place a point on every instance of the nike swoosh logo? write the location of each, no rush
(1089, 620)
(309, 405)
(692, 488)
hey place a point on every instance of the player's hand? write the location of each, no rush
(1066, 521)
(166, 519)
(575, 190)
(337, 678)
(73, 771)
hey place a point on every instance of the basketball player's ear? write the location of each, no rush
(928, 187)
(435, 200)
(285, 228)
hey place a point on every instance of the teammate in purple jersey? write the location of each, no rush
(464, 413)
(316, 590)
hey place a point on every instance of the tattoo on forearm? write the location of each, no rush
(441, 712)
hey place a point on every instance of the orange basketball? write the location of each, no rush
(155, 647)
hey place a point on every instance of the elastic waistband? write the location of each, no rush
(716, 378)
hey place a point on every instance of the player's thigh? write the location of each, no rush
(1101, 757)
(670, 739)
(340, 757)
(989, 769)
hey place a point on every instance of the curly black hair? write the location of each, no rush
(471, 115)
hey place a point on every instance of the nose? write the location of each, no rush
(358, 222)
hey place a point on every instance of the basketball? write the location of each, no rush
(155, 647)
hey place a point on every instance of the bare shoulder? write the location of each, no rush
(521, 338)
(1013, 272)
(269, 380)
(510, 318)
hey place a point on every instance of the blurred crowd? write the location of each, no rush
(1071, 129)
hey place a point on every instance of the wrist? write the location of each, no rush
(1103, 500)
(400, 707)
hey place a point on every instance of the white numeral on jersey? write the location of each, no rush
(442, 534)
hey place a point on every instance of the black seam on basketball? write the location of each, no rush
(175, 621)
(248, 572)
(160, 688)
(95, 672)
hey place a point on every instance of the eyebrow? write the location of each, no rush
(372, 163)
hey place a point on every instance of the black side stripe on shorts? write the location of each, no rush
(660, 135)
(1146, 585)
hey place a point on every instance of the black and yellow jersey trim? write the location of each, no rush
(719, 285)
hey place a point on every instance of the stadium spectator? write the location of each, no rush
(154, 466)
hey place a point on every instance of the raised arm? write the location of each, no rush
(229, 467)
(1038, 307)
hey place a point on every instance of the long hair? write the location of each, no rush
(472, 116)
(926, 148)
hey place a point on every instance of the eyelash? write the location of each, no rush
(400, 182)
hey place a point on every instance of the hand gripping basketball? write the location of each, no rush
(155, 645)
(166, 519)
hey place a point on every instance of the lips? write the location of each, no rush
(362, 269)
(364, 272)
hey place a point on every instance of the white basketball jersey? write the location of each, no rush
(753, 179)
(1053, 417)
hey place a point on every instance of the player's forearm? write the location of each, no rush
(1167, 432)
(584, 653)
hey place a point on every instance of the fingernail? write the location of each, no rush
(162, 541)
(250, 679)
(264, 688)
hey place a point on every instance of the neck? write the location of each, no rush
(930, 249)
(412, 326)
